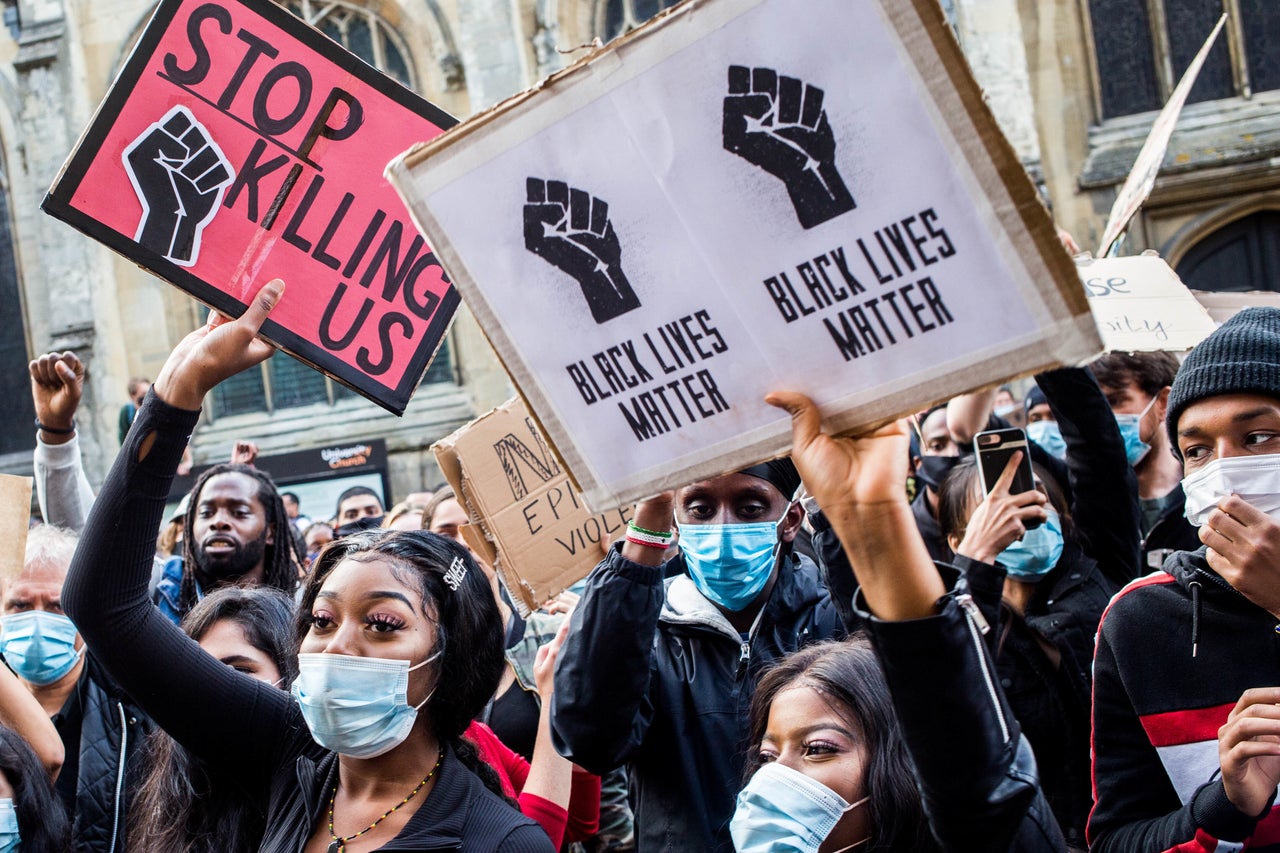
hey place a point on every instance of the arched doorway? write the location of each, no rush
(1243, 255)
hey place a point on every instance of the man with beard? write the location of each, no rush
(236, 531)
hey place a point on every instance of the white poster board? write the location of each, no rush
(738, 198)
(1141, 305)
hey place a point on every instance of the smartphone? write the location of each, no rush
(993, 450)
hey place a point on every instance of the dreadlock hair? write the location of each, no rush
(280, 562)
(469, 631)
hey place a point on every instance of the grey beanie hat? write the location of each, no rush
(1241, 357)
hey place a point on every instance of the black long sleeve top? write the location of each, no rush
(231, 721)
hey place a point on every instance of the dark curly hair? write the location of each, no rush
(848, 675)
(469, 626)
(42, 821)
(281, 561)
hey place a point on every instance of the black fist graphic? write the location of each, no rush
(778, 124)
(179, 175)
(570, 230)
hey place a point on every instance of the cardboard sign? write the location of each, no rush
(15, 520)
(239, 145)
(737, 198)
(1141, 305)
(528, 520)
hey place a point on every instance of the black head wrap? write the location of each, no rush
(780, 473)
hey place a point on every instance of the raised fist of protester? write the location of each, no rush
(778, 124)
(244, 453)
(571, 230)
(1249, 750)
(1244, 548)
(57, 382)
(544, 664)
(216, 351)
(1001, 519)
(179, 174)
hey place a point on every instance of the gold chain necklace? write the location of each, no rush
(339, 843)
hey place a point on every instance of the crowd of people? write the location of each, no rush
(868, 645)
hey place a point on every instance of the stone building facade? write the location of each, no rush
(1074, 84)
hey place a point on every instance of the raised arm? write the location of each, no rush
(601, 709)
(974, 770)
(62, 489)
(20, 711)
(225, 717)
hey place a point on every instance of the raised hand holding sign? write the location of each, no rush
(180, 175)
(571, 230)
(778, 124)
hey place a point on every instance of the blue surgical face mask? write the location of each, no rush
(784, 811)
(730, 563)
(356, 706)
(1131, 431)
(10, 838)
(39, 646)
(1036, 553)
(1049, 437)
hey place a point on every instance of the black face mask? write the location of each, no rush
(369, 522)
(932, 470)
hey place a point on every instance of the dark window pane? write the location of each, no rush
(241, 394)
(1126, 68)
(615, 16)
(1261, 20)
(396, 66)
(17, 433)
(441, 369)
(295, 384)
(360, 39)
(1190, 22)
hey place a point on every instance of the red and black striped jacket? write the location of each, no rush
(1176, 650)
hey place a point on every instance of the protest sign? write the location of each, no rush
(1141, 305)
(737, 198)
(15, 520)
(239, 145)
(1142, 177)
(528, 520)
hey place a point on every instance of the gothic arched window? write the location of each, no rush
(360, 31)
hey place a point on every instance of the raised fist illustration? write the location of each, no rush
(778, 124)
(571, 230)
(180, 175)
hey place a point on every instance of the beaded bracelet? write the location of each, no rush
(648, 538)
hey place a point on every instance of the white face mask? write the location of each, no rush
(784, 811)
(1254, 479)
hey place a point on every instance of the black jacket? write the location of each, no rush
(975, 771)
(238, 726)
(1176, 650)
(655, 677)
(1171, 532)
(104, 734)
(1049, 698)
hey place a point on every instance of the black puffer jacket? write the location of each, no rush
(105, 734)
(655, 677)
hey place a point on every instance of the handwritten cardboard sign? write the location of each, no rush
(15, 518)
(1141, 305)
(528, 520)
(239, 145)
(737, 198)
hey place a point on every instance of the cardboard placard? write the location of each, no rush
(528, 521)
(15, 520)
(737, 198)
(1141, 305)
(239, 145)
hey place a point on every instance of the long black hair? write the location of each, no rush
(281, 560)
(469, 630)
(42, 821)
(961, 493)
(848, 675)
(179, 807)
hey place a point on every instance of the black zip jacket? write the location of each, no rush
(239, 726)
(1176, 650)
(975, 772)
(1171, 532)
(655, 677)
